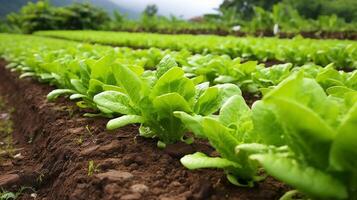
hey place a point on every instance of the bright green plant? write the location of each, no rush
(233, 126)
(298, 50)
(7, 195)
(92, 168)
(43, 16)
(151, 100)
(271, 76)
(85, 79)
(222, 69)
(317, 133)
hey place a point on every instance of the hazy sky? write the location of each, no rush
(186, 8)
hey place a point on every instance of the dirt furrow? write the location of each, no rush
(67, 156)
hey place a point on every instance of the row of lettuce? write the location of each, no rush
(298, 51)
(302, 132)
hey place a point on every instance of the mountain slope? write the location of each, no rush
(8, 6)
(11, 6)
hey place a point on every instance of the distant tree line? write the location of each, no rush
(346, 9)
(43, 16)
(259, 17)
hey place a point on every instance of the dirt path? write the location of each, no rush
(66, 156)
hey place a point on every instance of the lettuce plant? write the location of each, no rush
(271, 76)
(222, 69)
(84, 78)
(233, 126)
(318, 133)
(297, 50)
(152, 98)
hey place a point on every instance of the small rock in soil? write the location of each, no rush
(89, 150)
(110, 163)
(113, 175)
(128, 160)
(156, 191)
(139, 160)
(187, 194)
(7, 164)
(4, 116)
(19, 156)
(111, 147)
(179, 150)
(134, 166)
(139, 188)
(76, 131)
(204, 190)
(131, 196)
(81, 186)
(111, 189)
(175, 184)
(8, 180)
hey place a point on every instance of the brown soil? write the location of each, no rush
(250, 98)
(341, 35)
(270, 63)
(57, 144)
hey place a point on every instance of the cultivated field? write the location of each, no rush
(117, 115)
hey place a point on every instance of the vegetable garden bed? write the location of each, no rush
(298, 51)
(195, 107)
(66, 156)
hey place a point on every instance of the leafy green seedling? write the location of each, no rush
(320, 133)
(151, 99)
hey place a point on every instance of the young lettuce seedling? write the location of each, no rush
(319, 132)
(232, 127)
(220, 69)
(84, 78)
(152, 98)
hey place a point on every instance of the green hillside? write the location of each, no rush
(14, 5)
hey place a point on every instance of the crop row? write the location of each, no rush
(302, 131)
(298, 51)
(250, 76)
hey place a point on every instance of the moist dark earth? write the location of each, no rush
(342, 35)
(56, 145)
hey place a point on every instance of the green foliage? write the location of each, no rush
(232, 127)
(298, 51)
(7, 195)
(118, 20)
(289, 20)
(256, 17)
(301, 176)
(345, 9)
(152, 103)
(150, 10)
(246, 8)
(81, 16)
(303, 117)
(34, 16)
(4, 27)
(92, 168)
(302, 132)
(42, 16)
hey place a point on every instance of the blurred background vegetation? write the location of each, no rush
(285, 18)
